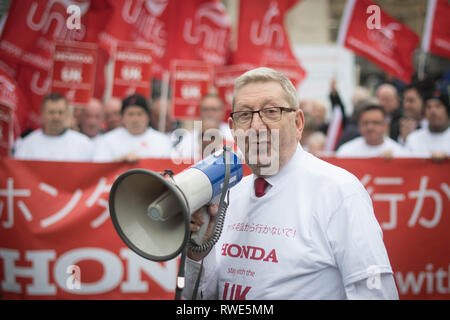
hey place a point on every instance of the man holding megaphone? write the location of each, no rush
(298, 228)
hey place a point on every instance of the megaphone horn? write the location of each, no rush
(151, 213)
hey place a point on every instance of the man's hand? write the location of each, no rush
(131, 157)
(196, 222)
(387, 154)
(439, 156)
(407, 126)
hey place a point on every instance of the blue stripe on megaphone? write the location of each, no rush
(214, 168)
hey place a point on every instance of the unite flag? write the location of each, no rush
(436, 35)
(370, 32)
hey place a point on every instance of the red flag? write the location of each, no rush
(39, 23)
(262, 37)
(200, 30)
(35, 85)
(13, 112)
(290, 68)
(143, 22)
(224, 78)
(436, 35)
(372, 33)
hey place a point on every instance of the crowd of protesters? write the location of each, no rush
(393, 122)
(390, 123)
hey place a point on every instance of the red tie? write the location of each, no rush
(260, 187)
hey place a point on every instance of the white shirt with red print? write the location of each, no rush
(313, 235)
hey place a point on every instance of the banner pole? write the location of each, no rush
(164, 100)
(421, 65)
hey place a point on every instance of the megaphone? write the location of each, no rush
(151, 211)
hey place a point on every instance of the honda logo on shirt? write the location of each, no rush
(249, 252)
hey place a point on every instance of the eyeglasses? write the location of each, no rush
(268, 115)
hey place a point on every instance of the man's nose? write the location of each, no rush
(257, 123)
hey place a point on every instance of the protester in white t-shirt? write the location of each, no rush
(310, 234)
(135, 140)
(113, 117)
(193, 143)
(55, 141)
(434, 140)
(373, 141)
(413, 112)
(91, 120)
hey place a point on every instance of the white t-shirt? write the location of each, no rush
(358, 148)
(69, 146)
(119, 142)
(313, 234)
(422, 142)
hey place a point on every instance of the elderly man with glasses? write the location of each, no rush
(298, 227)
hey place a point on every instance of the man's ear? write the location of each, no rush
(299, 123)
(230, 123)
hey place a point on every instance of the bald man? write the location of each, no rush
(91, 119)
(113, 117)
(389, 100)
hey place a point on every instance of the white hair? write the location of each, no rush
(265, 75)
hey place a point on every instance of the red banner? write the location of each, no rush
(436, 35)
(73, 71)
(190, 81)
(132, 70)
(224, 78)
(370, 32)
(55, 227)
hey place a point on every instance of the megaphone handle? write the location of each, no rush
(197, 237)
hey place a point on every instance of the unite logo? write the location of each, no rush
(209, 27)
(40, 83)
(267, 32)
(57, 14)
(146, 18)
(248, 252)
(385, 37)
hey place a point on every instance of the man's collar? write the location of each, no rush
(287, 169)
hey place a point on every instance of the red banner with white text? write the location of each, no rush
(55, 229)
(73, 71)
(190, 82)
(132, 70)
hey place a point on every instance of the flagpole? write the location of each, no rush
(163, 111)
(421, 65)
